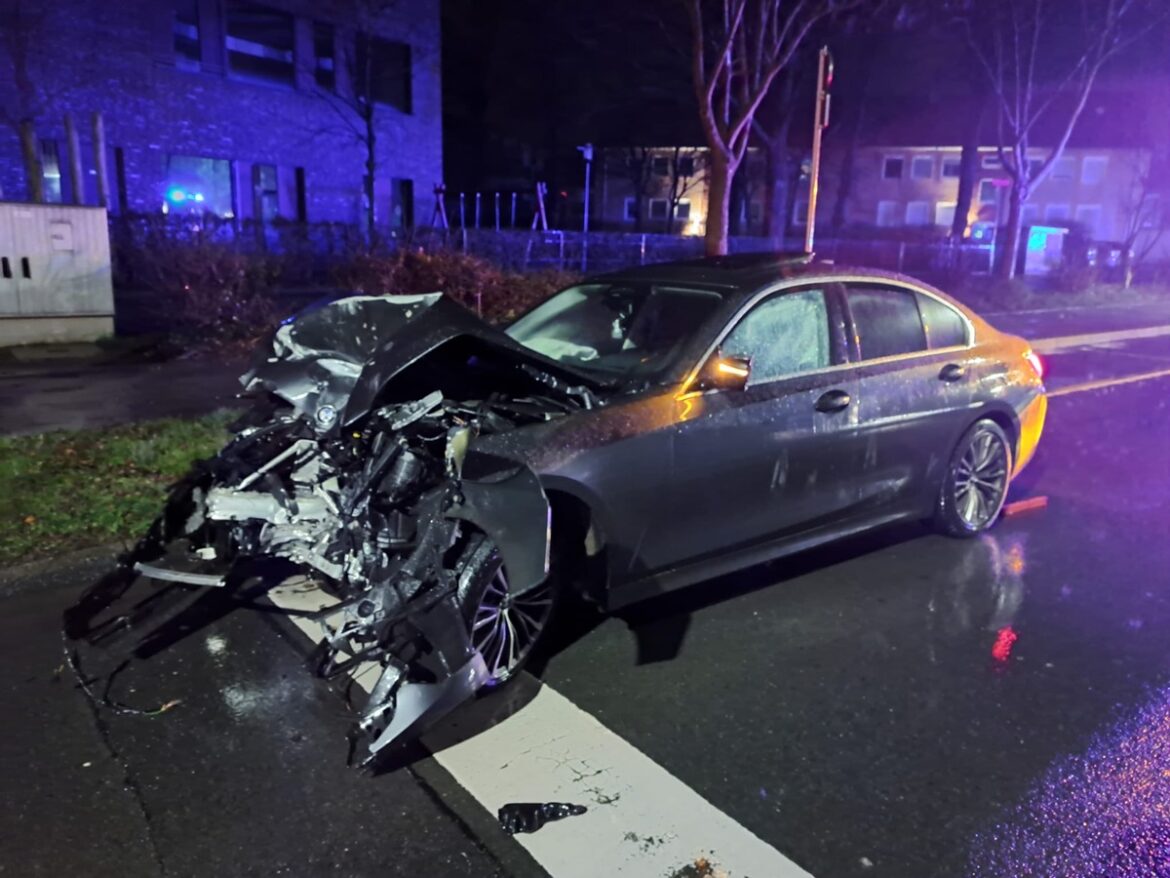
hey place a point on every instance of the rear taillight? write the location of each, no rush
(1035, 362)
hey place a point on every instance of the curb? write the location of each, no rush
(26, 577)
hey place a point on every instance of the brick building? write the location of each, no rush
(241, 109)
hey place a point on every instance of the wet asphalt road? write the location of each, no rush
(900, 705)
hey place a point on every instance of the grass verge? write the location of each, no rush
(67, 490)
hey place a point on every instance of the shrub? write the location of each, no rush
(478, 285)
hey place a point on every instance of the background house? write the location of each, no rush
(236, 108)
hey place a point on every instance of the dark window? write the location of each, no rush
(186, 31)
(661, 166)
(631, 209)
(785, 335)
(302, 206)
(945, 327)
(886, 321)
(892, 168)
(199, 185)
(658, 208)
(260, 43)
(402, 203)
(265, 195)
(686, 166)
(951, 167)
(323, 54)
(382, 72)
(51, 170)
(682, 210)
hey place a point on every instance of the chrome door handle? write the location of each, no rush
(833, 401)
(952, 372)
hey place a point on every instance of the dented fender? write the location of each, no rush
(508, 504)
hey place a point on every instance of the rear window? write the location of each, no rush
(886, 320)
(945, 327)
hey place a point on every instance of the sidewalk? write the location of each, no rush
(74, 394)
(1057, 322)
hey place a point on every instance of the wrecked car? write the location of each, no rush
(448, 483)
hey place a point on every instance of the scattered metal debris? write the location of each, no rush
(530, 816)
(1018, 507)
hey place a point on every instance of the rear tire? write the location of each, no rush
(975, 484)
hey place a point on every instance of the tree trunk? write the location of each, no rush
(73, 148)
(1009, 245)
(968, 172)
(33, 173)
(99, 161)
(371, 168)
(718, 203)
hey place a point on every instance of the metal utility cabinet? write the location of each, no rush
(55, 282)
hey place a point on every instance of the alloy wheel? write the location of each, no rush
(506, 627)
(981, 479)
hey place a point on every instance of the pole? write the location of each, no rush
(497, 211)
(820, 122)
(513, 210)
(34, 172)
(99, 161)
(477, 200)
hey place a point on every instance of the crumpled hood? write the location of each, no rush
(331, 361)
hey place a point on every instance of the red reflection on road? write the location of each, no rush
(1004, 640)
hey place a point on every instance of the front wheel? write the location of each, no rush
(505, 627)
(976, 481)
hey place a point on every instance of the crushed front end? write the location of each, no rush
(388, 508)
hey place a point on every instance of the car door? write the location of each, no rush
(777, 456)
(917, 389)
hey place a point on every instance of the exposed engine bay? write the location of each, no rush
(377, 493)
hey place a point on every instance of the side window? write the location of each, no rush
(945, 327)
(784, 335)
(886, 320)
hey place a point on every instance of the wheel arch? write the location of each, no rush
(578, 532)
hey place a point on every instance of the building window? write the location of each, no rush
(660, 166)
(887, 213)
(892, 167)
(401, 203)
(951, 167)
(1034, 166)
(686, 166)
(922, 167)
(1089, 216)
(186, 32)
(382, 72)
(682, 210)
(658, 207)
(988, 191)
(1030, 214)
(323, 69)
(302, 201)
(918, 213)
(199, 185)
(1065, 169)
(1057, 213)
(631, 209)
(944, 214)
(260, 43)
(1093, 169)
(265, 193)
(991, 161)
(51, 171)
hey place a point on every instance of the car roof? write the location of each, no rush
(745, 273)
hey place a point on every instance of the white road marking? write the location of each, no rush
(642, 821)
(1108, 382)
(1067, 342)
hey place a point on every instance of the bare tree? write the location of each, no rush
(23, 25)
(1042, 59)
(738, 48)
(1143, 207)
(364, 78)
(638, 166)
(685, 171)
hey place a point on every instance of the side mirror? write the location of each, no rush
(726, 372)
